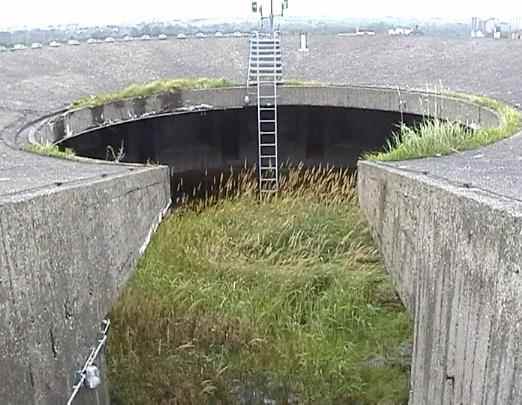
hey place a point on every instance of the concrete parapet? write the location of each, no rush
(64, 257)
(455, 254)
(73, 250)
(75, 122)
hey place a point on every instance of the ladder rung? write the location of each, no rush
(266, 145)
(277, 81)
(269, 65)
(268, 156)
(267, 133)
(268, 121)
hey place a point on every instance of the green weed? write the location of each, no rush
(148, 89)
(239, 300)
(49, 149)
(435, 137)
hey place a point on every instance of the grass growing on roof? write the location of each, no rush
(49, 149)
(151, 88)
(438, 137)
(242, 301)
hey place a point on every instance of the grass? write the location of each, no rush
(438, 137)
(297, 82)
(151, 88)
(241, 301)
(49, 149)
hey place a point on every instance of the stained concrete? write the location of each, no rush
(35, 83)
(220, 139)
(454, 252)
(65, 254)
(91, 233)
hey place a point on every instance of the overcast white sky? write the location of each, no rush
(48, 12)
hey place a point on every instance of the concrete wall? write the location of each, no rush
(455, 255)
(219, 139)
(76, 122)
(64, 257)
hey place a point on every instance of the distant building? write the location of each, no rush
(358, 33)
(494, 28)
(303, 42)
(394, 32)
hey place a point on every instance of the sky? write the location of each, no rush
(38, 13)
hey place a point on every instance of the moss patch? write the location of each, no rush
(49, 149)
(149, 89)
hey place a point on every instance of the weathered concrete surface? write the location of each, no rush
(455, 254)
(72, 123)
(64, 257)
(33, 83)
(36, 82)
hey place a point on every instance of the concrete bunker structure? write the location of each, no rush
(203, 132)
(104, 252)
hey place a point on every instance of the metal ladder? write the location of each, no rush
(265, 73)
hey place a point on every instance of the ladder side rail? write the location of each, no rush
(275, 120)
(259, 143)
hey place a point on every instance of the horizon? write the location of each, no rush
(59, 13)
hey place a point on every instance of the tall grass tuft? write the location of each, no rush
(436, 137)
(242, 300)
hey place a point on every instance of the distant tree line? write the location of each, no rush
(292, 25)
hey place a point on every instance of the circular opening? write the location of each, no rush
(197, 146)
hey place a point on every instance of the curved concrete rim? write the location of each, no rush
(71, 123)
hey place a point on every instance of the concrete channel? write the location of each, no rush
(77, 251)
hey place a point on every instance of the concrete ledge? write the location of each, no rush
(86, 252)
(76, 122)
(64, 257)
(455, 254)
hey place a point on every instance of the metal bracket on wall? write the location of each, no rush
(89, 375)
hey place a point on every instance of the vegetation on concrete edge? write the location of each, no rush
(436, 137)
(297, 82)
(149, 89)
(50, 149)
(242, 301)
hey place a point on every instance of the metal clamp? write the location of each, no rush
(89, 375)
